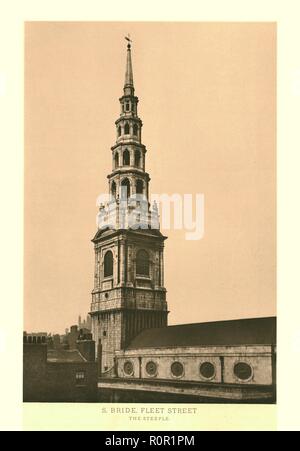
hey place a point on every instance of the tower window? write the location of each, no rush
(116, 160)
(135, 129)
(142, 263)
(137, 158)
(119, 130)
(139, 186)
(125, 189)
(113, 189)
(127, 106)
(126, 158)
(126, 129)
(108, 264)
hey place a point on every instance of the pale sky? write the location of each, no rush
(207, 99)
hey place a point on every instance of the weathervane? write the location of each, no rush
(128, 39)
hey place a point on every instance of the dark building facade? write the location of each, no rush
(59, 375)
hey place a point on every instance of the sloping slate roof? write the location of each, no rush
(222, 333)
(63, 355)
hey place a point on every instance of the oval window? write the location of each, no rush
(151, 368)
(207, 370)
(128, 368)
(243, 371)
(177, 369)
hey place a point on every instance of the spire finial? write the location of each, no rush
(129, 73)
(129, 40)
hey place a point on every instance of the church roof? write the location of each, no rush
(220, 333)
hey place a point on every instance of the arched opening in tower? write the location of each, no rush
(113, 189)
(142, 263)
(126, 158)
(139, 186)
(137, 158)
(108, 264)
(117, 160)
(125, 189)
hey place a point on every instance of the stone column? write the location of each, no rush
(162, 267)
(115, 264)
(133, 185)
(97, 272)
(129, 264)
(131, 153)
(122, 262)
(157, 268)
(99, 357)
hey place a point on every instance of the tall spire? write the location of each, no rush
(128, 86)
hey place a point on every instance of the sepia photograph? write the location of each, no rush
(150, 212)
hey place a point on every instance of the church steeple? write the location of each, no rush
(129, 293)
(129, 124)
(128, 177)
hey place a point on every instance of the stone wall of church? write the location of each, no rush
(108, 327)
(116, 329)
(129, 298)
(227, 364)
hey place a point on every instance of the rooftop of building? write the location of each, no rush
(64, 355)
(253, 331)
